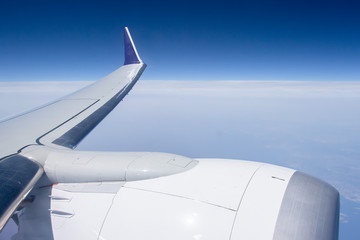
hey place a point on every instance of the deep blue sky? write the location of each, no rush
(182, 40)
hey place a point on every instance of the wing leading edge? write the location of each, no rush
(63, 123)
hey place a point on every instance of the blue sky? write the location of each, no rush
(181, 40)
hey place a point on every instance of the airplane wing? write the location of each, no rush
(60, 124)
(55, 192)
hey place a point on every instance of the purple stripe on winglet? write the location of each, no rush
(131, 55)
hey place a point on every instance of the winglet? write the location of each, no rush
(131, 55)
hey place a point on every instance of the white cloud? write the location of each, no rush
(344, 218)
(41, 87)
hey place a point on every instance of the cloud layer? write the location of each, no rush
(310, 126)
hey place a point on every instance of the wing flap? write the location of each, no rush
(18, 176)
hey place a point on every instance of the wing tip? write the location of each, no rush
(131, 54)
